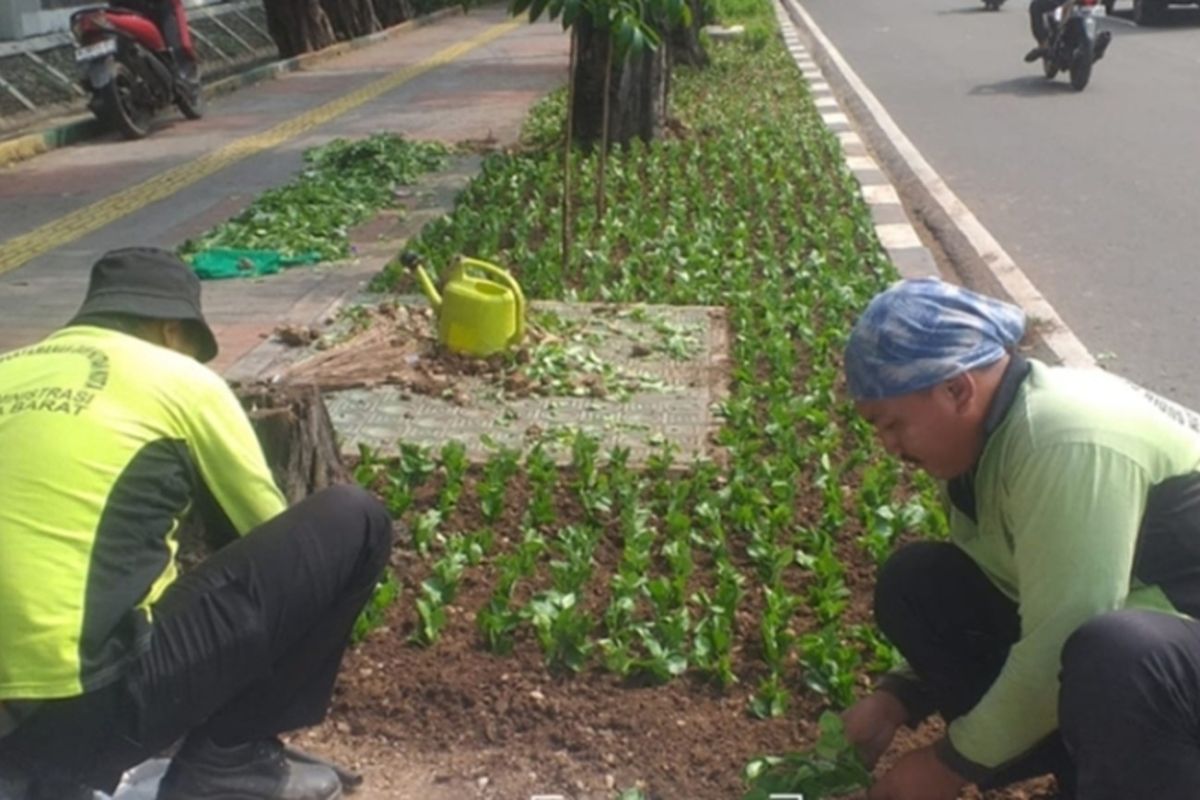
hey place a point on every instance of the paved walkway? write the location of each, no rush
(466, 77)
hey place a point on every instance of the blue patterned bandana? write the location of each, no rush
(921, 332)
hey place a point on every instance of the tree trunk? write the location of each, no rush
(298, 26)
(298, 440)
(351, 18)
(638, 94)
(685, 39)
(393, 12)
(297, 437)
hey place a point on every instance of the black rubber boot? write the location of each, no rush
(253, 771)
(1034, 54)
(1102, 42)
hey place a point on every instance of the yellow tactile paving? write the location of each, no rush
(68, 228)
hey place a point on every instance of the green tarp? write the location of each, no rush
(226, 262)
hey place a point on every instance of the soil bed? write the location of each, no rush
(454, 721)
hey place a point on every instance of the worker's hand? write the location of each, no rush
(871, 724)
(919, 775)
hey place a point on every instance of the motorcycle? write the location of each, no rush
(130, 71)
(993, 5)
(1074, 45)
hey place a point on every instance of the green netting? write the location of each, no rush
(227, 262)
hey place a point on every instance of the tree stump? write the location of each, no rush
(297, 436)
(300, 445)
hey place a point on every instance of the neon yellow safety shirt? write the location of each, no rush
(105, 440)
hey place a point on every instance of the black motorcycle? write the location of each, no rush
(1075, 45)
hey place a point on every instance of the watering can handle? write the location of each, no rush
(506, 278)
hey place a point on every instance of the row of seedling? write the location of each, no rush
(761, 219)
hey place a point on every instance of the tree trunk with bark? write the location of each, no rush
(685, 45)
(637, 94)
(351, 18)
(298, 26)
(393, 12)
(300, 445)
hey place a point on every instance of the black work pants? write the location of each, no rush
(1129, 705)
(244, 647)
(1038, 9)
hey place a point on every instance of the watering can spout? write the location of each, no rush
(435, 299)
(412, 261)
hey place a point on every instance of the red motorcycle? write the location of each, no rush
(130, 69)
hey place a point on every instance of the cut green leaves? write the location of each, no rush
(343, 183)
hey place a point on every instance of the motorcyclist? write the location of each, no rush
(1038, 11)
(171, 19)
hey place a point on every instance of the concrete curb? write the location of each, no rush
(85, 126)
(896, 233)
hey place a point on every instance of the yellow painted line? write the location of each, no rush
(66, 229)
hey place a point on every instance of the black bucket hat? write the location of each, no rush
(149, 283)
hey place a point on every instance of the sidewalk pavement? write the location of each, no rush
(469, 77)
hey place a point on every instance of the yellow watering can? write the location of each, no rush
(476, 316)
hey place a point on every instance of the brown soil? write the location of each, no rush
(391, 343)
(453, 721)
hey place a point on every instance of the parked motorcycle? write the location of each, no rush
(1074, 45)
(993, 5)
(130, 71)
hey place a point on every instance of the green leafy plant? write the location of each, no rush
(493, 487)
(830, 769)
(543, 477)
(563, 629)
(453, 462)
(387, 591)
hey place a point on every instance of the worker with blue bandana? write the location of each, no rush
(1056, 631)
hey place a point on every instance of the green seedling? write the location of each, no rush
(830, 769)
(562, 628)
(387, 591)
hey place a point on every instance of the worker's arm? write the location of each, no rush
(228, 455)
(1072, 512)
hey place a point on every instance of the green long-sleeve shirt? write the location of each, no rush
(105, 441)
(1080, 476)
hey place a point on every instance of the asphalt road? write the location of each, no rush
(465, 77)
(1095, 195)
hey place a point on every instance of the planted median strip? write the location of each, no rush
(739, 569)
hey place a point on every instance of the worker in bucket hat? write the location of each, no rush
(1055, 632)
(111, 434)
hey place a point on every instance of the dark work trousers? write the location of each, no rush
(1038, 9)
(1129, 704)
(1129, 707)
(955, 628)
(244, 647)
